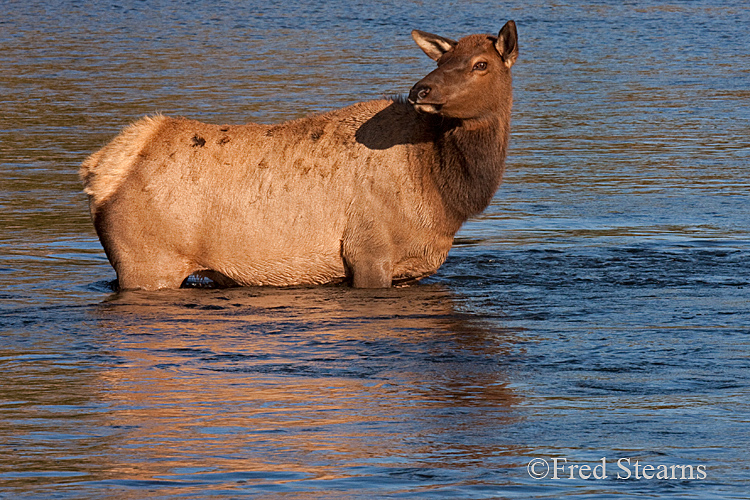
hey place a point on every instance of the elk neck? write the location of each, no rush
(471, 162)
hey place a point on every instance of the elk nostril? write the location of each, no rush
(423, 92)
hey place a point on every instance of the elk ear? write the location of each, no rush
(433, 45)
(507, 43)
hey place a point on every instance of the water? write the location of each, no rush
(599, 308)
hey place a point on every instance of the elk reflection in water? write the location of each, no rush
(300, 380)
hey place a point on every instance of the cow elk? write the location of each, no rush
(371, 194)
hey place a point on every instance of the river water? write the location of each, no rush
(596, 316)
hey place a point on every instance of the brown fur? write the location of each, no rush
(372, 193)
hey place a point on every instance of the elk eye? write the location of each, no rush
(480, 66)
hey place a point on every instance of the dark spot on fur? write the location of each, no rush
(223, 140)
(302, 165)
(197, 141)
(263, 163)
(269, 132)
(316, 134)
(224, 128)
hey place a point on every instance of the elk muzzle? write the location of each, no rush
(424, 98)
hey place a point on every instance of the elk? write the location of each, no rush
(371, 194)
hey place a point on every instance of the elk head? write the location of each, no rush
(472, 80)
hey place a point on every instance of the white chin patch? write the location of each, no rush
(426, 108)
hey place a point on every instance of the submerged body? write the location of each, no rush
(372, 193)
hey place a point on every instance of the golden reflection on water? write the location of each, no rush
(300, 381)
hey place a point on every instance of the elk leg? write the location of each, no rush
(371, 272)
(160, 272)
(367, 252)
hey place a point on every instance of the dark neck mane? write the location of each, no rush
(471, 163)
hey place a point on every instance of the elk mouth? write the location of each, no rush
(428, 108)
(422, 98)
